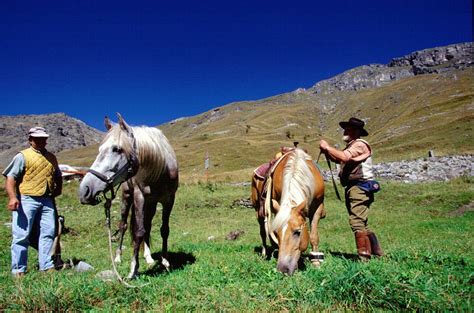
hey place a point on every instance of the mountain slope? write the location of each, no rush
(66, 133)
(419, 102)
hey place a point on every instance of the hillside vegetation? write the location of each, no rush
(419, 102)
(405, 119)
(424, 269)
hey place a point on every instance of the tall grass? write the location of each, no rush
(427, 237)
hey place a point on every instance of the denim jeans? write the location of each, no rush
(33, 212)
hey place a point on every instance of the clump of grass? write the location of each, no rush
(428, 266)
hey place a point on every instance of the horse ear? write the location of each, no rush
(122, 123)
(107, 123)
(300, 208)
(275, 204)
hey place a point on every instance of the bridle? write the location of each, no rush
(131, 168)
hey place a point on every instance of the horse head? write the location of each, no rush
(116, 162)
(293, 238)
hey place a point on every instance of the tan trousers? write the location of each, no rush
(357, 203)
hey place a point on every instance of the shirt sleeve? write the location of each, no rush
(357, 152)
(16, 167)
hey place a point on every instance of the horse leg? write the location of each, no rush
(165, 229)
(138, 230)
(315, 256)
(263, 234)
(127, 201)
(122, 229)
(150, 211)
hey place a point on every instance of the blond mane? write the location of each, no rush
(298, 185)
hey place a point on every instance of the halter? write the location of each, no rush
(131, 168)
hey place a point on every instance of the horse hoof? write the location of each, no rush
(165, 263)
(150, 261)
(118, 259)
(316, 263)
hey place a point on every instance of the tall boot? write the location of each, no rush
(374, 244)
(363, 245)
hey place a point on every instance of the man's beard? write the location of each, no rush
(346, 138)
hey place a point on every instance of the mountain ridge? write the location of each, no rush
(415, 103)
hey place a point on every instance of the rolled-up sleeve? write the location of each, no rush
(357, 152)
(16, 167)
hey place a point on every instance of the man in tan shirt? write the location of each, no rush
(357, 177)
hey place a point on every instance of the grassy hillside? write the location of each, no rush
(424, 269)
(405, 119)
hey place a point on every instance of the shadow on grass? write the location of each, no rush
(177, 260)
(272, 253)
(347, 256)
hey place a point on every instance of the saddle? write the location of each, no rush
(264, 171)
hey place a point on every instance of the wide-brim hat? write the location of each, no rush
(355, 123)
(38, 132)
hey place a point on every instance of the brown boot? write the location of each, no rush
(363, 245)
(374, 244)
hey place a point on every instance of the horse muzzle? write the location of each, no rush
(287, 264)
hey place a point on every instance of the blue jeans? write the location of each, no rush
(38, 213)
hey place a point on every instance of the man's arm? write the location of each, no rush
(10, 187)
(333, 153)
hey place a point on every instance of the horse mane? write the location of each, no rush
(153, 149)
(298, 185)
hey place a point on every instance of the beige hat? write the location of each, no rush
(37, 132)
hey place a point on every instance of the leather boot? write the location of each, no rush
(363, 245)
(374, 244)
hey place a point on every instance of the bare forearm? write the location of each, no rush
(336, 155)
(10, 186)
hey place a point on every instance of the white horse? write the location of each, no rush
(143, 158)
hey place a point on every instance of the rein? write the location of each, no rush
(332, 175)
(130, 168)
(107, 205)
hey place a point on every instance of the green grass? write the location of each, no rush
(428, 240)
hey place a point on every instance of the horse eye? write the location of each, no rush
(297, 233)
(116, 149)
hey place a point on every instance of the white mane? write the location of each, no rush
(298, 185)
(154, 151)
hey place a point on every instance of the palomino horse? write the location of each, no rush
(294, 191)
(143, 158)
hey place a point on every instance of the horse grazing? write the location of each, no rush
(143, 158)
(294, 191)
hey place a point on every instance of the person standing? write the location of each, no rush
(357, 177)
(33, 180)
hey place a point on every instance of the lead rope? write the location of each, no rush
(107, 205)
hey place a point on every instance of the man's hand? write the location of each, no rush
(323, 145)
(13, 204)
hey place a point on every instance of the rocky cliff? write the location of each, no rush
(65, 132)
(434, 60)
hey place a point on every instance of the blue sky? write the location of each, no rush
(155, 61)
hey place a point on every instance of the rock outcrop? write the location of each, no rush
(422, 170)
(65, 132)
(434, 60)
